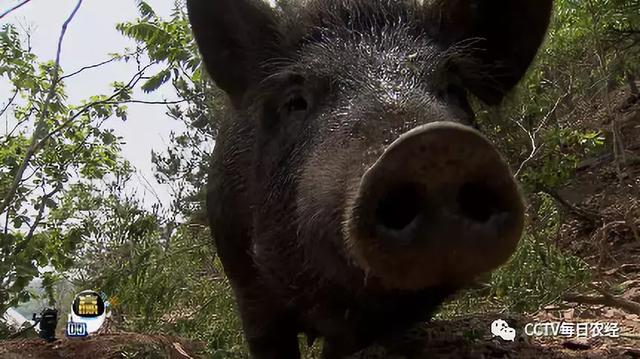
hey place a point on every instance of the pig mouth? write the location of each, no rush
(439, 206)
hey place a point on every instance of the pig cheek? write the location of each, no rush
(323, 192)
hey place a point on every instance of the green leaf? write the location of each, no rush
(156, 81)
(50, 203)
(121, 113)
(145, 10)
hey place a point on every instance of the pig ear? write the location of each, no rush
(233, 37)
(504, 36)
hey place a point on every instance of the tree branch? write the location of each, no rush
(605, 298)
(14, 129)
(43, 205)
(35, 147)
(11, 99)
(41, 125)
(584, 213)
(173, 102)
(82, 69)
(14, 8)
(6, 223)
(88, 68)
(134, 80)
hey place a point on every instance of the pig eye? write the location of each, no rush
(296, 103)
(281, 109)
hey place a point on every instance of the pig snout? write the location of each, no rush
(440, 206)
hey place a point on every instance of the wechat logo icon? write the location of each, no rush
(500, 328)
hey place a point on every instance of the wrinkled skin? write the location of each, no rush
(334, 105)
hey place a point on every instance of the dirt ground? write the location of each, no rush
(471, 338)
(452, 339)
(602, 224)
(108, 346)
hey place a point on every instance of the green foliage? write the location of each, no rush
(539, 272)
(157, 281)
(185, 163)
(216, 321)
(169, 42)
(591, 47)
(565, 148)
(38, 164)
(162, 275)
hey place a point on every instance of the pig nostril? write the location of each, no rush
(399, 207)
(479, 202)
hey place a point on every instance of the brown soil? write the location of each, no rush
(120, 345)
(471, 338)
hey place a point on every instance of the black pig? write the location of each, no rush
(350, 191)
